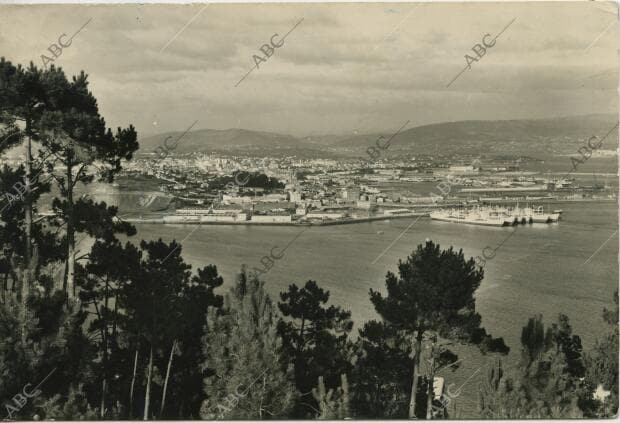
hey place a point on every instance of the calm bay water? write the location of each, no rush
(541, 269)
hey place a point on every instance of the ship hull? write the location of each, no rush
(496, 223)
(488, 216)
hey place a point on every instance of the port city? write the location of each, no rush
(312, 192)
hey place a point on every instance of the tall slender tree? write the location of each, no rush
(381, 376)
(23, 102)
(185, 388)
(251, 377)
(316, 336)
(152, 303)
(111, 266)
(13, 234)
(434, 296)
(75, 135)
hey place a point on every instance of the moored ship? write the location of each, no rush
(496, 216)
(472, 217)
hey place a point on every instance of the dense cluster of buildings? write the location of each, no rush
(324, 189)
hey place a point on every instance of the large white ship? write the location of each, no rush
(496, 216)
(476, 216)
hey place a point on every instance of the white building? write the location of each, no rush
(270, 198)
(229, 199)
(182, 219)
(392, 212)
(324, 215)
(271, 218)
(295, 196)
(351, 194)
(462, 169)
(229, 217)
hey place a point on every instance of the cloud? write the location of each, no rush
(348, 65)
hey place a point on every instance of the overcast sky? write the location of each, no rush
(345, 68)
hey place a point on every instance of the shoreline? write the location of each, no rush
(424, 213)
(160, 221)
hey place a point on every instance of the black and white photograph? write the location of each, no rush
(309, 210)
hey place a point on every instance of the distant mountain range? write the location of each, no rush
(202, 139)
(528, 136)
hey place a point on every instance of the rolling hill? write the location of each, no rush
(205, 140)
(528, 136)
(552, 135)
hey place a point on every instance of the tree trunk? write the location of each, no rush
(163, 395)
(115, 317)
(14, 281)
(64, 277)
(417, 346)
(103, 389)
(431, 390)
(23, 303)
(133, 381)
(70, 236)
(27, 199)
(25, 274)
(28, 222)
(147, 394)
(105, 348)
(5, 286)
(262, 396)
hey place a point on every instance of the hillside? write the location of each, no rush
(530, 136)
(554, 135)
(204, 140)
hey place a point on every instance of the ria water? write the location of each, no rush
(543, 269)
(540, 260)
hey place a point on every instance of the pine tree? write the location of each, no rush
(101, 283)
(381, 372)
(152, 305)
(75, 135)
(602, 370)
(548, 381)
(74, 407)
(316, 336)
(250, 377)
(23, 102)
(51, 353)
(434, 297)
(333, 403)
(186, 393)
(500, 396)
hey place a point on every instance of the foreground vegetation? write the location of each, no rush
(131, 331)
